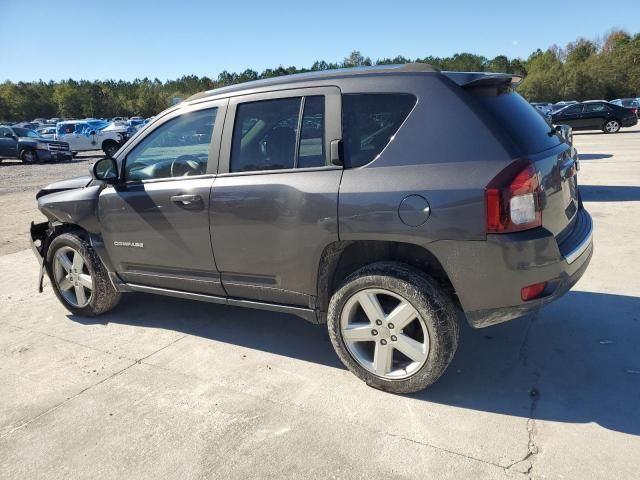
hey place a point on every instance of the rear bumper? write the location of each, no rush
(488, 276)
(629, 122)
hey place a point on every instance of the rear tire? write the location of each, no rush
(78, 276)
(29, 156)
(404, 357)
(611, 126)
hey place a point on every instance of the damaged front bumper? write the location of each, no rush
(39, 233)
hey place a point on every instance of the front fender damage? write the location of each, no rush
(65, 209)
(77, 207)
(40, 237)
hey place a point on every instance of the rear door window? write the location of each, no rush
(595, 107)
(368, 123)
(573, 110)
(279, 134)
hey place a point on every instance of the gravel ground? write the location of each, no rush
(18, 186)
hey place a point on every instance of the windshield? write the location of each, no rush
(25, 132)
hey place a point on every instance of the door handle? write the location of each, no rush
(187, 200)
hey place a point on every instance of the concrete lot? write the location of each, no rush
(163, 388)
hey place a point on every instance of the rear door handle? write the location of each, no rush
(187, 200)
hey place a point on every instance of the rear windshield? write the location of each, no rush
(368, 123)
(519, 121)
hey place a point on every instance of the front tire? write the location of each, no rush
(393, 327)
(29, 156)
(110, 148)
(78, 276)
(611, 126)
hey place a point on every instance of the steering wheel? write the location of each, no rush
(186, 166)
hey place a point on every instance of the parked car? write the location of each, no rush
(544, 107)
(560, 105)
(48, 132)
(31, 147)
(596, 115)
(632, 104)
(87, 135)
(135, 124)
(564, 131)
(27, 125)
(343, 197)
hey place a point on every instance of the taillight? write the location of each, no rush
(512, 199)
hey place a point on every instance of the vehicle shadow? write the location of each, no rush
(609, 193)
(594, 156)
(576, 361)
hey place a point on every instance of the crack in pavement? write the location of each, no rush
(534, 394)
(69, 399)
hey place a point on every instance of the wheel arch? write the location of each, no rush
(107, 142)
(340, 259)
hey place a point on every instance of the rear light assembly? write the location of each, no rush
(512, 199)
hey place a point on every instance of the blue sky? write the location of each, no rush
(125, 39)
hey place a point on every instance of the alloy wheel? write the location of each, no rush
(612, 126)
(29, 156)
(72, 277)
(384, 333)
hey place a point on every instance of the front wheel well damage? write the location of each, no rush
(341, 259)
(43, 234)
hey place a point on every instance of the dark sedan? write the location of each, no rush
(595, 115)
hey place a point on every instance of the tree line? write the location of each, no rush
(584, 69)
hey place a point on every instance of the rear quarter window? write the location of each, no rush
(368, 123)
(518, 120)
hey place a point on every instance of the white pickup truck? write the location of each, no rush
(85, 135)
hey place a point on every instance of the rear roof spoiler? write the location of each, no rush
(482, 79)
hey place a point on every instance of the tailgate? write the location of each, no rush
(559, 196)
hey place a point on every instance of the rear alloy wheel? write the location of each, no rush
(387, 333)
(28, 156)
(392, 327)
(611, 126)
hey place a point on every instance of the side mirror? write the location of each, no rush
(8, 135)
(105, 169)
(92, 132)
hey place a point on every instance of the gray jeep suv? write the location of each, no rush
(380, 201)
